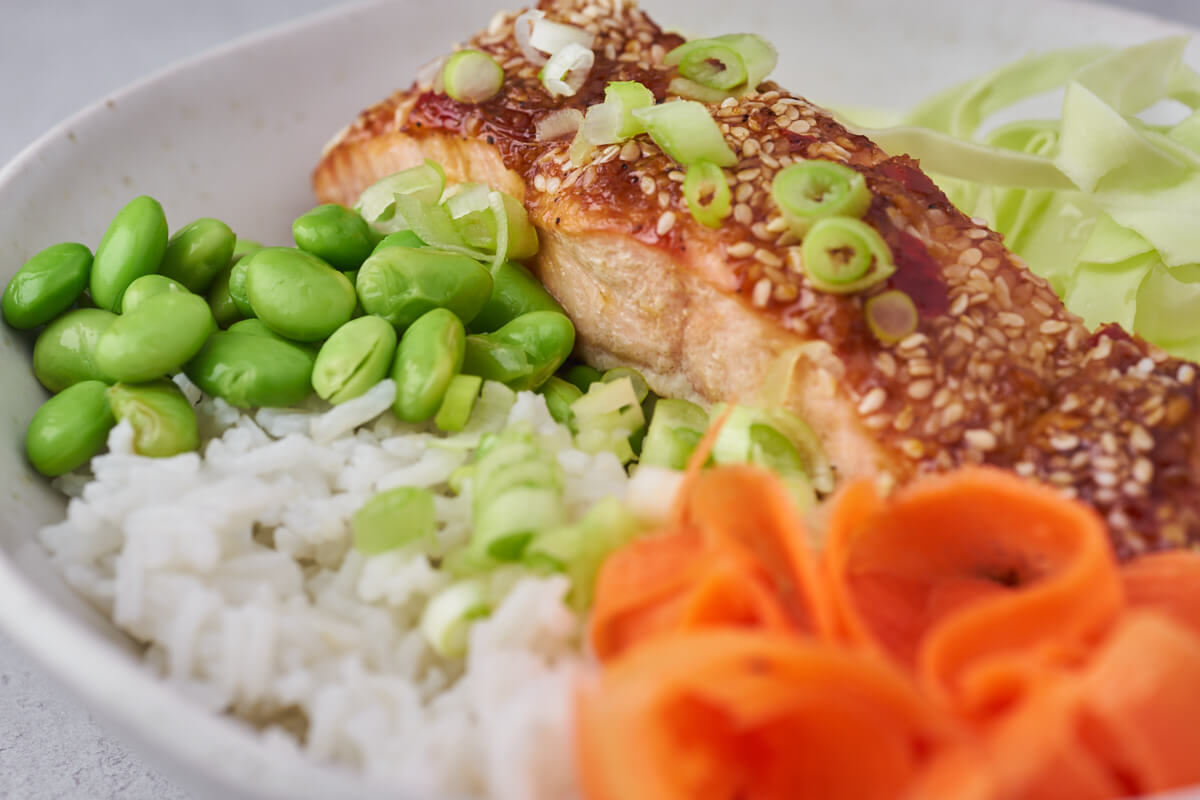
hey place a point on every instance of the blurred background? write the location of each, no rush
(57, 56)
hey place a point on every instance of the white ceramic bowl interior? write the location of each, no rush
(235, 133)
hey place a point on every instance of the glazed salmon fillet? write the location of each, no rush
(997, 371)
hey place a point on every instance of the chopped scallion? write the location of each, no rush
(446, 621)
(377, 203)
(733, 64)
(458, 403)
(552, 37)
(810, 190)
(567, 70)
(707, 194)
(517, 492)
(393, 518)
(471, 76)
(559, 396)
(891, 316)
(676, 427)
(686, 131)
(844, 255)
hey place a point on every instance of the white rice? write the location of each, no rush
(235, 570)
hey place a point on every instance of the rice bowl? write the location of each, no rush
(343, 727)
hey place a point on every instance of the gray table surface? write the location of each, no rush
(57, 56)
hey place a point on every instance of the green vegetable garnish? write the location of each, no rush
(707, 194)
(844, 255)
(686, 131)
(810, 190)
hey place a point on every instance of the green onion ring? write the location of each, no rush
(707, 193)
(843, 255)
(891, 316)
(811, 190)
(714, 65)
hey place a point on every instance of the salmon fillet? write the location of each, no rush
(997, 372)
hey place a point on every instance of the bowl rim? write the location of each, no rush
(99, 674)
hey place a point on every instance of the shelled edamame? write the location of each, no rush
(262, 326)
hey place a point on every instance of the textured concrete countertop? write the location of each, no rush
(57, 56)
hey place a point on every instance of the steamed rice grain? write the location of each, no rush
(236, 572)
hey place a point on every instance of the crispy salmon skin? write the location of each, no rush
(997, 371)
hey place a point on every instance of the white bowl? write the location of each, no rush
(235, 133)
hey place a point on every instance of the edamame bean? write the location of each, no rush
(297, 294)
(156, 338)
(148, 286)
(237, 285)
(256, 327)
(46, 285)
(248, 371)
(523, 353)
(430, 354)
(514, 292)
(335, 234)
(398, 239)
(197, 253)
(640, 387)
(356, 357)
(582, 376)
(244, 247)
(69, 428)
(559, 396)
(402, 283)
(65, 352)
(220, 301)
(164, 423)
(132, 246)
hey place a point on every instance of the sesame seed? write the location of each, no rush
(912, 341)
(800, 126)
(553, 184)
(1143, 470)
(980, 439)
(630, 151)
(953, 414)
(977, 233)
(740, 250)
(1186, 374)
(919, 390)
(1140, 439)
(1053, 326)
(912, 448)
(959, 305)
(1064, 442)
(872, 401)
(665, 223)
(767, 257)
(743, 214)
(1105, 478)
(747, 175)
(647, 185)
(886, 364)
(1024, 468)
(762, 293)
(970, 257)
(1010, 319)
(539, 182)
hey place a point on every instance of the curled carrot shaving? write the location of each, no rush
(1168, 582)
(971, 637)
(975, 577)
(725, 714)
(742, 562)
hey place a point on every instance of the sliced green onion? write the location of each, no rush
(580, 549)
(627, 96)
(446, 621)
(553, 37)
(891, 316)
(468, 208)
(676, 427)
(686, 131)
(432, 223)
(523, 32)
(751, 436)
(606, 416)
(458, 403)
(517, 492)
(392, 519)
(472, 76)
(733, 64)
(377, 203)
(707, 193)
(810, 190)
(567, 70)
(682, 87)
(641, 389)
(558, 123)
(738, 445)
(522, 236)
(712, 64)
(559, 396)
(843, 255)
